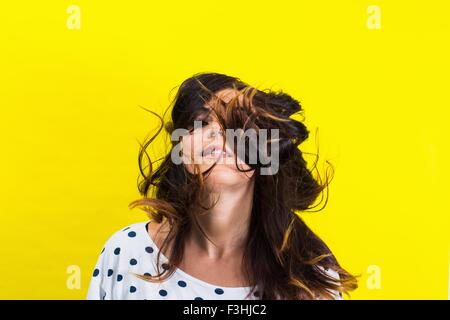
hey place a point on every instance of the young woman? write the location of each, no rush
(223, 221)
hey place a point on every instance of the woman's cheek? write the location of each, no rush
(191, 147)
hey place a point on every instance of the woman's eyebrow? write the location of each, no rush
(204, 117)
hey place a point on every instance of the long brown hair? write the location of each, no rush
(283, 258)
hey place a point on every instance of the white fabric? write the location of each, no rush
(133, 250)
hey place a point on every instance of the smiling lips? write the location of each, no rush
(215, 151)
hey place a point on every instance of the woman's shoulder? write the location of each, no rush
(127, 236)
(121, 252)
(329, 272)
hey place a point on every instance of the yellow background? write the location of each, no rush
(70, 123)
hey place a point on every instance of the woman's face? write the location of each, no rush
(204, 146)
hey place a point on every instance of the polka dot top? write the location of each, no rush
(132, 250)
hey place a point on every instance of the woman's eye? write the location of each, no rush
(203, 123)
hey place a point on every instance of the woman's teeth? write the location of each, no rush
(217, 152)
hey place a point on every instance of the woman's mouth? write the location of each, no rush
(215, 151)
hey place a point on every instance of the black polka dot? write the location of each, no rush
(165, 266)
(198, 298)
(133, 289)
(110, 272)
(96, 272)
(181, 283)
(147, 274)
(119, 277)
(149, 249)
(163, 292)
(256, 294)
(117, 251)
(132, 234)
(133, 262)
(218, 291)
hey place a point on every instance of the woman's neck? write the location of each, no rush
(226, 224)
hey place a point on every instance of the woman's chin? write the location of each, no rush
(223, 176)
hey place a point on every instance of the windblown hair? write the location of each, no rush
(283, 257)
